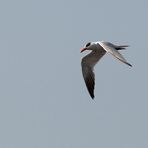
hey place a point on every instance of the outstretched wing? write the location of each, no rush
(88, 63)
(112, 49)
(89, 78)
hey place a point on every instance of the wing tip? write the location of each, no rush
(92, 96)
(129, 64)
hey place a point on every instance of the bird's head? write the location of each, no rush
(86, 47)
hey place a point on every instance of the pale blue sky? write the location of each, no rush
(44, 102)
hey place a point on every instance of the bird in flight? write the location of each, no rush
(98, 50)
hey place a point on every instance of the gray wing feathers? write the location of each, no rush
(88, 63)
(112, 49)
(89, 78)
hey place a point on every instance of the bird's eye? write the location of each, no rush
(88, 44)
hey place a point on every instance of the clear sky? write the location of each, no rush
(44, 102)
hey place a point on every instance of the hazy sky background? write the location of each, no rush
(44, 102)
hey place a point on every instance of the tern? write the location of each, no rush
(98, 50)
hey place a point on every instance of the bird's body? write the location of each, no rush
(98, 50)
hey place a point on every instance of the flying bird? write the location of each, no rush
(98, 50)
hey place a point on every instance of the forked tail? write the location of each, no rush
(121, 47)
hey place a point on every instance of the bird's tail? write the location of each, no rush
(121, 47)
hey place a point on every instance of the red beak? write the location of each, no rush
(83, 49)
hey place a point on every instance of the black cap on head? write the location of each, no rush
(88, 44)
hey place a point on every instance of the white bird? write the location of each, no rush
(98, 50)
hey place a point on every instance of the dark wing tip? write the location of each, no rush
(128, 64)
(91, 92)
(89, 76)
(90, 84)
(92, 96)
